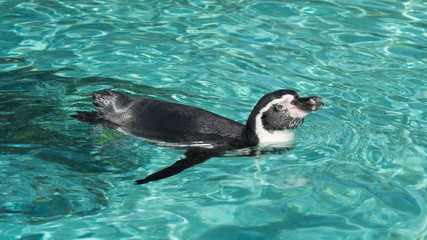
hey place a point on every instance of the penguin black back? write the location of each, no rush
(161, 121)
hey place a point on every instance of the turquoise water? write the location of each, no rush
(358, 170)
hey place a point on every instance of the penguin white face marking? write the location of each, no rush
(284, 105)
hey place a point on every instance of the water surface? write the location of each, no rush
(358, 170)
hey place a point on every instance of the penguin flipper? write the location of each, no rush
(191, 159)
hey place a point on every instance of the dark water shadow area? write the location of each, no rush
(52, 166)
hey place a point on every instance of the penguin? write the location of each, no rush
(204, 134)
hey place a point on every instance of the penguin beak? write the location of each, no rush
(308, 104)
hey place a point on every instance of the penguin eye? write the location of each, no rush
(280, 107)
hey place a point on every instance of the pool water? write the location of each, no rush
(358, 169)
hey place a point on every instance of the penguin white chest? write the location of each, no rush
(266, 137)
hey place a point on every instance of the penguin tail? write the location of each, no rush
(89, 117)
(94, 118)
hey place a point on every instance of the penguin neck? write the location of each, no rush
(256, 134)
(250, 135)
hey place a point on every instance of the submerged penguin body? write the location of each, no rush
(165, 121)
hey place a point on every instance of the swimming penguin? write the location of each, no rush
(203, 133)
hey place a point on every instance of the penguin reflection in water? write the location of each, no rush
(204, 134)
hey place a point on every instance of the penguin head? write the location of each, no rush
(276, 115)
